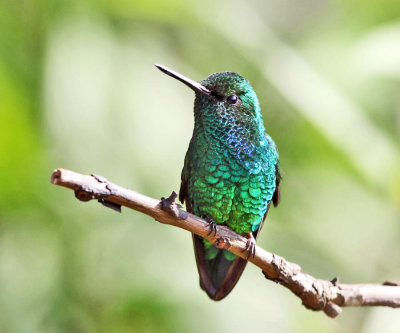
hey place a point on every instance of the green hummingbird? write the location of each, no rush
(231, 172)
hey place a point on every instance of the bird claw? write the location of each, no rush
(212, 225)
(250, 246)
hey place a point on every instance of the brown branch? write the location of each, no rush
(316, 294)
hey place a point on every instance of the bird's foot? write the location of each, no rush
(212, 225)
(223, 243)
(250, 246)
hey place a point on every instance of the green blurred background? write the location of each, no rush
(78, 90)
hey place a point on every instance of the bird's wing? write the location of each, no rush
(276, 198)
(184, 193)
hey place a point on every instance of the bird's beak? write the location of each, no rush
(197, 87)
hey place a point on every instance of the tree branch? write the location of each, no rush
(316, 294)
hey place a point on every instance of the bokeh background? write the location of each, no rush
(78, 90)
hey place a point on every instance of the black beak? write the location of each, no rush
(197, 87)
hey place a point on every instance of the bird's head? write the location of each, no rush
(226, 92)
(225, 106)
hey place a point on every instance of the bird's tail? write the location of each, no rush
(219, 270)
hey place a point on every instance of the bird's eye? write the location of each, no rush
(232, 99)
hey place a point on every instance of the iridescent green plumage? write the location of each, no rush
(231, 172)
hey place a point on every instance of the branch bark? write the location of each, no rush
(315, 294)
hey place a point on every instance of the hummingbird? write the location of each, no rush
(231, 173)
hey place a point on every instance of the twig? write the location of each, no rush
(316, 294)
